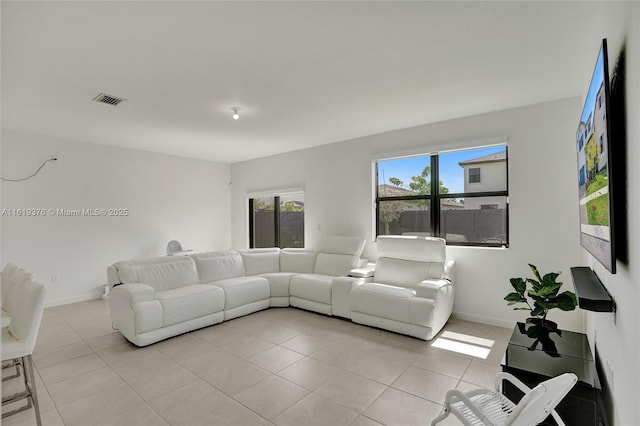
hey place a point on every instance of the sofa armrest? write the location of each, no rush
(450, 270)
(134, 310)
(361, 273)
(134, 292)
(340, 293)
(431, 289)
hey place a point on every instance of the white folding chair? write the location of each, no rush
(26, 302)
(491, 408)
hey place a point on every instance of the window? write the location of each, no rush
(474, 175)
(277, 221)
(442, 195)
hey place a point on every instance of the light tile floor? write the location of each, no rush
(281, 366)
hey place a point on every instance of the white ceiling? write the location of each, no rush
(303, 73)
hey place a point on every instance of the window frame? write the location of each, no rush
(276, 195)
(435, 197)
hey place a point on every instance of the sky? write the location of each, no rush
(451, 174)
(596, 81)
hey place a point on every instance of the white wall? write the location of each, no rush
(617, 336)
(543, 198)
(167, 197)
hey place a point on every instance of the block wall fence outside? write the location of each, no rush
(166, 197)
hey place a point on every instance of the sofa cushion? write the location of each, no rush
(405, 273)
(420, 249)
(161, 273)
(189, 302)
(313, 287)
(243, 290)
(335, 264)
(391, 302)
(261, 260)
(297, 260)
(279, 283)
(338, 255)
(219, 265)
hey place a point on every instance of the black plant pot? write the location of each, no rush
(549, 325)
(541, 331)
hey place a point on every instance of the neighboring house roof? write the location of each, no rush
(492, 158)
(393, 191)
(452, 204)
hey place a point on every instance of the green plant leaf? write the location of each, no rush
(540, 294)
(535, 284)
(514, 298)
(566, 301)
(550, 278)
(519, 285)
(535, 296)
(548, 290)
(544, 304)
(535, 272)
(537, 311)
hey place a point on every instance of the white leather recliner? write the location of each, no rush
(412, 288)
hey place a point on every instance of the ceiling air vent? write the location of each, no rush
(108, 99)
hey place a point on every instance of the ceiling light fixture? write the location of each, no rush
(235, 113)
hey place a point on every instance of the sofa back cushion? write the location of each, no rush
(297, 260)
(335, 264)
(338, 255)
(161, 273)
(261, 260)
(420, 249)
(218, 265)
(408, 260)
(406, 273)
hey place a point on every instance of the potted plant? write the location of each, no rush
(541, 297)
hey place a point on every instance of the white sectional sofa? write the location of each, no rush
(157, 298)
(411, 292)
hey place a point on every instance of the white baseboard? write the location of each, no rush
(73, 299)
(496, 322)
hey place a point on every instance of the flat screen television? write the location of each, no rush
(595, 189)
